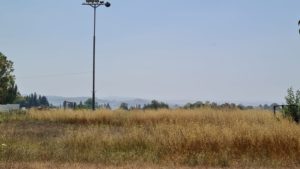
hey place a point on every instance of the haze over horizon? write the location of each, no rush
(239, 51)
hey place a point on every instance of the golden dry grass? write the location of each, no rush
(200, 137)
(178, 116)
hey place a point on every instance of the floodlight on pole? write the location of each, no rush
(95, 4)
(299, 25)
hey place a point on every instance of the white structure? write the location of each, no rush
(9, 107)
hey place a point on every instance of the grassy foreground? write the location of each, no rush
(201, 137)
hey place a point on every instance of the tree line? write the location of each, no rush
(154, 104)
(9, 94)
(33, 100)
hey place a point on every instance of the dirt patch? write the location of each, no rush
(99, 166)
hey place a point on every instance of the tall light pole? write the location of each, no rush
(95, 4)
(299, 25)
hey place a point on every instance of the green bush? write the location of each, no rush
(293, 105)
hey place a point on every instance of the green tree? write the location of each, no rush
(156, 105)
(80, 106)
(89, 103)
(107, 106)
(124, 106)
(44, 101)
(8, 88)
(293, 104)
(33, 100)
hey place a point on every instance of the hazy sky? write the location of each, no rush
(217, 50)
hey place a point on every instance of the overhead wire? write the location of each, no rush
(54, 75)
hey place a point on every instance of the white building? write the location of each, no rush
(9, 107)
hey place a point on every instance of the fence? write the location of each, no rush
(293, 110)
(9, 107)
(281, 107)
(69, 105)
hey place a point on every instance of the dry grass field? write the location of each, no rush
(198, 138)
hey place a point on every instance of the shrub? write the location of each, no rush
(293, 105)
(156, 105)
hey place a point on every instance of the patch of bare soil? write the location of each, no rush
(99, 166)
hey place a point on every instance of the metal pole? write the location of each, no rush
(94, 57)
(95, 4)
